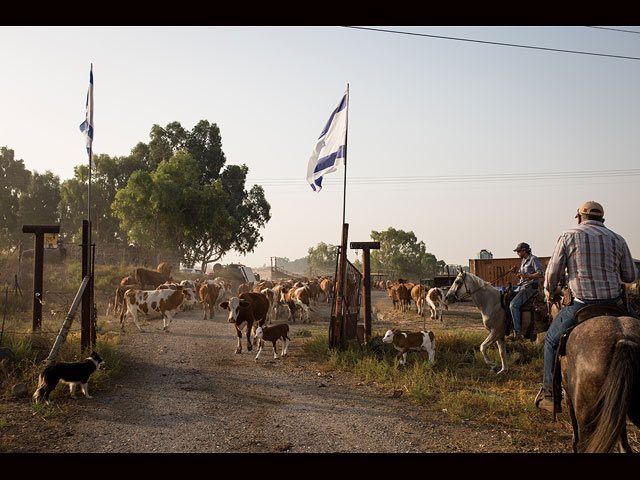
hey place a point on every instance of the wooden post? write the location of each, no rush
(366, 280)
(38, 256)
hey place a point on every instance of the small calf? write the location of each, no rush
(273, 334)
(403, 342)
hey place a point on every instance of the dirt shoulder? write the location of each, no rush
(187, 391)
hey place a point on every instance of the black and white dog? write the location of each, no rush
(73, 374)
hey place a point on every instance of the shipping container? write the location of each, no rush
(494, 270)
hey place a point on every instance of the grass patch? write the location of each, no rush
(458, 383)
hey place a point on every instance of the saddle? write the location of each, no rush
(536, 305)
(582, 315)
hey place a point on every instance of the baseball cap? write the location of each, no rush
(591, 208)
(521, 246)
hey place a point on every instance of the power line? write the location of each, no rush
(493, 43)
(506, 177)
(613, 29)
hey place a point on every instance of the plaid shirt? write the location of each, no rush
(596, 259)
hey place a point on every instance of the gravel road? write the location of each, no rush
(186, 391)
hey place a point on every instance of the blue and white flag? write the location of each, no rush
(330, 150)
(86, 127)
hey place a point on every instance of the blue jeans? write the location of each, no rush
(563, 321)
(520, 299)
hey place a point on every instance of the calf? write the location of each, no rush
(273, 334)
(403, 342)
(249, 308)
(436, 302)
(419, 295)
(165, 301)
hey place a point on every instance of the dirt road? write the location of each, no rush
(187, 391)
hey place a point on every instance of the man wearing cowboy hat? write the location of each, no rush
(596, 261)
(529, 273)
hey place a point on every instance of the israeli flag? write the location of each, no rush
(331, 147)
(86, 127)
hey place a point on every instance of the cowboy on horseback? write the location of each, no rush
(597, 261)
(529, 273)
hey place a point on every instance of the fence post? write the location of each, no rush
(38, 257)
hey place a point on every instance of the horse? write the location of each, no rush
(600, 372)
(495, 317)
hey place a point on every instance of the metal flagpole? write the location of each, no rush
(342, 267)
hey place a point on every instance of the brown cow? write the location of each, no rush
(326, 285)
(165, 268)
(249, 308)
(209, 293)
(116, 302)
(128, 280)
(146, 277)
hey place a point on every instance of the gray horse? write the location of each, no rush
(494, 317)
(601, 379)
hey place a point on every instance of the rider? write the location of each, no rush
(597, 261)
(529, 273)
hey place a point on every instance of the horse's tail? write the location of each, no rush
(614, 399)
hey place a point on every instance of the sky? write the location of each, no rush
(470, 145)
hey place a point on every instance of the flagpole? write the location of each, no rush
(346, 135)
(89, 192)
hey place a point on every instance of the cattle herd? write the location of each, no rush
(254, 305)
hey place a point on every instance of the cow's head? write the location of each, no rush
(259, 333)
(388, 337)
(234, 304)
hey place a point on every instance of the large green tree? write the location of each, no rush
(38, 203)
(321, 259)
(402, 255)
(14, 179)
(191, 202)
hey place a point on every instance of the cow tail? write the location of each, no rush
(614, 399)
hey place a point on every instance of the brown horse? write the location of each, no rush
(601, 379)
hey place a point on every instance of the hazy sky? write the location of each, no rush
(469, 145)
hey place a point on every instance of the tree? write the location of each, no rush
(322, 258)
(171, 208)
(38, 203)
(14, 179)
(402, 255)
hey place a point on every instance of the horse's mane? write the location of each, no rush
(477, 279)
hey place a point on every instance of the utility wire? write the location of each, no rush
(507, 177)
(493, 43)
(613, 29)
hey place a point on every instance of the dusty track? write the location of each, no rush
(186, 391)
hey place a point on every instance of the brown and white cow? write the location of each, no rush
(273, 302)
(273, 334)
(250, 308)
(165, 301)
(209, 293)
(436, 302)
(297, 298)
(406, 341)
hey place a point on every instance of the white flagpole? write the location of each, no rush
(346, 134)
